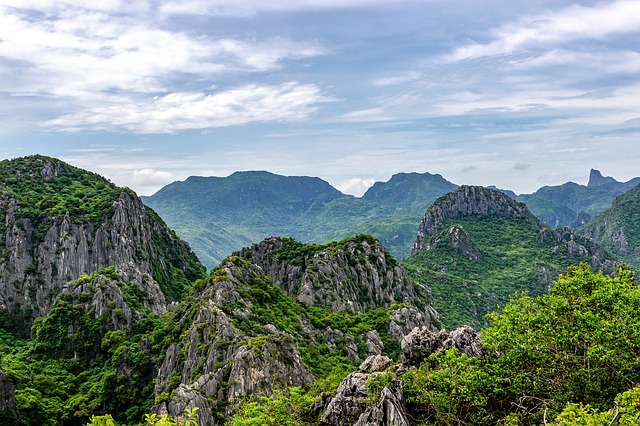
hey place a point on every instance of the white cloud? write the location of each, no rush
(99, 60)
(252, 7)
(150, 177)
(569, 24)
(356, 186)
(193, 110)
(398, 79)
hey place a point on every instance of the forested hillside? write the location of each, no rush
(476, 247)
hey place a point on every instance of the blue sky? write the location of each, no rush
(514, 94)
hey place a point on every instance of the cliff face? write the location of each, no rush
(242, 334)
(46, 243)
(356, 274)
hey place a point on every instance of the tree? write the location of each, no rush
(579, 344)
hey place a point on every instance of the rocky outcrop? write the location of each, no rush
(7, 402)
(40, 254)
(466, 201)
(217, 365)
(110, 293)
(356, 275)
(353, 404)
(617, 229)
(420, 343)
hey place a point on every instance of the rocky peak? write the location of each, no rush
(58, 223)
(466, 201)
(597, 180)
(355, 274)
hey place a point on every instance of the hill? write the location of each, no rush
(618, 228)
(222, 215)
(476, 247)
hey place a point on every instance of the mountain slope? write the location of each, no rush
(59, 222)
(618, 229)
(221, 215)
(476, 247)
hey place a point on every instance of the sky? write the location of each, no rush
(495, 92)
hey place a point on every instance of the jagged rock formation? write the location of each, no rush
(618, 228)
(60, 222)
(357, 274)
(477, 246)
(229, 351)
(420, 343)
(352, 403)
(218, 360)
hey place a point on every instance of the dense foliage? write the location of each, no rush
(77, 364)
(496, 257)
(85, 196)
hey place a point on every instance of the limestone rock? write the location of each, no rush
(390, 411)
(420, 343)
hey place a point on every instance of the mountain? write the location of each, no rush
(282, 313)
(222, 215)
(58, 223)
(476, 247)
(111, 340)
(618, 229)
(571, 204)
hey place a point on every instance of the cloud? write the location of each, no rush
(150, 177)
(567, 25)
(356, 186)
(521, 166)
(398, 79)
(117, 56)
(194, 110)
(252, 7)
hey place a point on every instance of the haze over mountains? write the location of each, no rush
(221, 215)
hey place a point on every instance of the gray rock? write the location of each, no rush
(374, 343)
(420, 343)
(389, 412)
(375, 363)
(349, 403)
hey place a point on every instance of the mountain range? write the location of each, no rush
(221, 215)
(108, 318)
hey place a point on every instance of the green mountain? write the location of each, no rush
(618, 229)
(58, 223)
(476, 247)
(221, 215)
(571, 204)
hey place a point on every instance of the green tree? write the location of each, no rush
(580, 343)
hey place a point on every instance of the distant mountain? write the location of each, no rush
(221, 215)
(618, 229)
(476, 247)
(571, 204)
